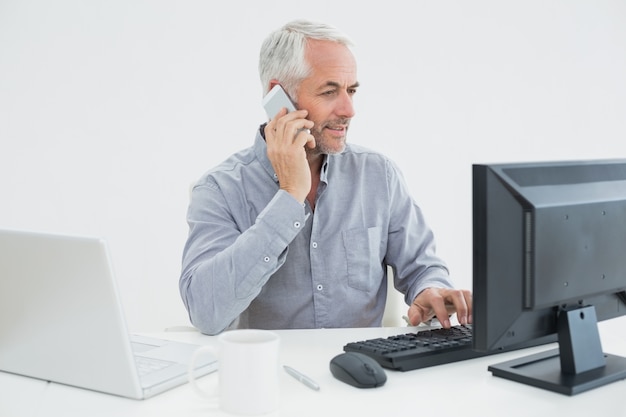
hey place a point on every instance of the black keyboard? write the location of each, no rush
(425, 348)
(430, 347)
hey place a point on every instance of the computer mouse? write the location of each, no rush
(358, 370)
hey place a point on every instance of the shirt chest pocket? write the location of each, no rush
(363, 259)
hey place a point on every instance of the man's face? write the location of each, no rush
(327, 94)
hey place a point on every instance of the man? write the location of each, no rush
(297, 230)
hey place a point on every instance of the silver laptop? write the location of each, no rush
(61, 320)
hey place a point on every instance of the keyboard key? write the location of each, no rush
(146, 366)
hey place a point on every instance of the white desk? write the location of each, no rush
(462, 388)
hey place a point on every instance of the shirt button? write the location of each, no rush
(296, 225)
(320, 287)
(314, 244)
(266, 259)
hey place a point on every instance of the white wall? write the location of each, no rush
(109, 109)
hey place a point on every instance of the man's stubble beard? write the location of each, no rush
(321, 143)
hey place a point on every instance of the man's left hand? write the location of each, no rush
(441, 303)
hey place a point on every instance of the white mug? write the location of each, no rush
(247, 372)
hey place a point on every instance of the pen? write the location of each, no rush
(302, 378)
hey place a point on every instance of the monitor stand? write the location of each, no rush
(577, 366)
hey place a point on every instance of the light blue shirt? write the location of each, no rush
(257, 258)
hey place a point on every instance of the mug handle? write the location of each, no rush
(212, 396)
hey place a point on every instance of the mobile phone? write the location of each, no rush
(275, 100)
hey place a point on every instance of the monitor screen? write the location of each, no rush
(549, 260)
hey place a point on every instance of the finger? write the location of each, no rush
(421, 310)
(415, 315)
(305, 138)
(435, 302)
(272, 126)
(299, 125)
(441, 311)
(455, 302)
(286, 123)
(459, 302)
(269, 130)
(463, 305)
(469, 302)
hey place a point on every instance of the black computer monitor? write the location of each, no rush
(550, 259)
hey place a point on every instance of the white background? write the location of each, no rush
(110, 109)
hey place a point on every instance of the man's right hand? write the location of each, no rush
(286, 136)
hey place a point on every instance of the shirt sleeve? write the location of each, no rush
(411, 248)
(225, 263)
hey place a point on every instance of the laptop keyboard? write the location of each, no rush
(146, 366)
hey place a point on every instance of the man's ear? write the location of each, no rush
(273, 83)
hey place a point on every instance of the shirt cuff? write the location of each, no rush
(284, 215)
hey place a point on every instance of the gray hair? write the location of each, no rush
(282, 53)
